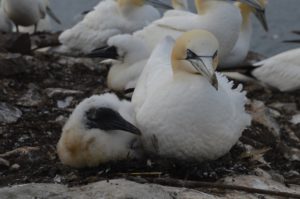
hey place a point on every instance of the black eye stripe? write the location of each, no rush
(191, 55)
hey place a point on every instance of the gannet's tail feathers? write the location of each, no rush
(106, 52)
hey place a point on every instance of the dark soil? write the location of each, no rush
(40, 127)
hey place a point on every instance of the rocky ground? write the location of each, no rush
(38, 91)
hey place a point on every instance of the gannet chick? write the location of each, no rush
(5, 23)
(26, 12)
(108, 18)
(281, 71)
(99, 130)
(241, 48)
(127, 56)
(184, 109)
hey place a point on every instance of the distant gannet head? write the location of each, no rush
(99, 130)
(180, 4)
(126, 6)
(196, 52)
(246, 10)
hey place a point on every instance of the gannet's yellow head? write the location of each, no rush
(180, 4)
(126, 6)
(196, 52)
(259, 12)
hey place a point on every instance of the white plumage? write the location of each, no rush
(240, 51)
(108, 18)
(179, 112)
(82, 144)
(219, 17)
(125, 71)
(27, 12)
(281, 71)
(5, 23)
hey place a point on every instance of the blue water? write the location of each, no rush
(283, 16)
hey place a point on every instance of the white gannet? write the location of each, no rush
(127, 56)
(99, 130)
(5, 23)
(27, 12)
(241, 48)
(184, 109)
(108, 18)
(217, 16)
(281, 71)
(43, 24)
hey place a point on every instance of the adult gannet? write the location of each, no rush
(108, 18)
(126, 60)
(27, 12)
(281, 71)
(5, 23)
(241, 48)
(99, 130)
(184, 109)
(43, 24)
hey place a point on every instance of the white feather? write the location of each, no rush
(281, 71)
(105, 21)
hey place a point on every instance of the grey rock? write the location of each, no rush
(31, 98)
(296, 119)
(65, 103)
(123, 189)
(55, 92)
(15, 167)
(12, 64)
(8, 113)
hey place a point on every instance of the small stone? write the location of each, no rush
(15, 167)
(61, 120)
(64, 103)
(55, 92)
(8, 113)
(57, 179)
(31, 98)
(287, 107)
(4, 163)
(296, 119)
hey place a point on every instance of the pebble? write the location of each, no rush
(9, 113)
(55, 92)
(15, 167)
(65, 103)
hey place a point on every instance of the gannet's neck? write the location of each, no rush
(245, 12)
(200, 6)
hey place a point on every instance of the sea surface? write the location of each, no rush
(282, 15)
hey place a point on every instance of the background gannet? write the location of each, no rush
(183, 108)
(108, 18)
(241, 48)
(45, 23)
(124, 53)
(219, 17)
(99, 130)
(5, 23)
(27, 12)
(281, 71)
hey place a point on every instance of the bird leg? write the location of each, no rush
(35, 28)
(17, 28)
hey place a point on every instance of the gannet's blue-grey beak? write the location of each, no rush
(52, 15)
(159, 4)
(261, 16)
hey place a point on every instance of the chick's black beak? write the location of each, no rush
(108, 120)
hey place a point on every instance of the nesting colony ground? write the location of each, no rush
(38, 92)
